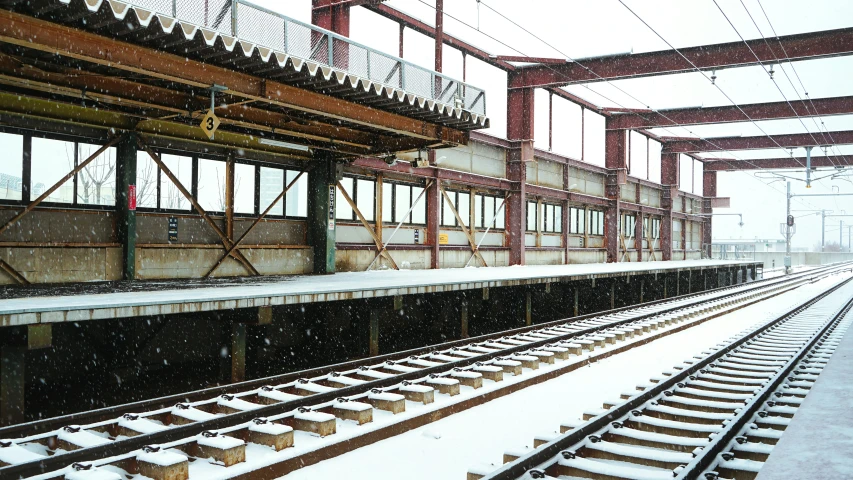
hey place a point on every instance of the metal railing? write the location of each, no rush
(263, 27)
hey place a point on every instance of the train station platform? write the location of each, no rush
(33, 305)
(818, 442)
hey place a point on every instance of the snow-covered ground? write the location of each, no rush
(447, 448)
(778, 272)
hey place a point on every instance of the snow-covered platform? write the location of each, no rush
(819, 441)
(97, 302)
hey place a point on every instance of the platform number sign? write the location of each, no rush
(332, 197)
(209, 124)
(173, 229)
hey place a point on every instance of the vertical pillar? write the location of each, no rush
(433, 227)
(709, 191)
(321, 213)
(678, 283)
(669, 181)
(126, 204)
(332, 15)
(12, 383)
(642, 286)
(374, 332)
(439, 33)
(229, 197)
(238, 352)
(463, 314)
(616, 162)
(638, 232)
(613, 293)
(520, 106)
(528, 308)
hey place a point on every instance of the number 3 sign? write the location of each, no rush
(209, 124)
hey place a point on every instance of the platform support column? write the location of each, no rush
(616, 162)
(709, 191)
(331, 15)
(374, 332)
(126, 204)
(520, 106)
(642, 285)
(576, 309)
(463, 314)
(528, 308)
(433, 227)
(321, 213)
(12, 383)
(238, 352)
(678, 283)
(690, 281)
(613, 294)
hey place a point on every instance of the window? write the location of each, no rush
(397, 199)
(577, 220)
(296, 199)
(244, 188)
(418, 216)
(96, 182)
(655, 227)
(629, 223)
(171, 197)
(12, 167)
(596, 222)
(210, 185)
(147, 183)
(343, 211)
(532, 216)
(462, 203)
(52, 160)
(552, 218)
(489, 212)
(363, 194)
(270, 187)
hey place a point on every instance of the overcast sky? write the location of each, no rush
(577, 29)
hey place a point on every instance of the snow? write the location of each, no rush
(81, 438)
(193, 414)
(312, 416)
(269, 428)
(92, 474)
(387, 282)
(618, 469)
(509, 423)
(386, 397)
(237, 403)
(415, 388)
(222, 442)
(354, 406)
(15, 454)
(277, 395)
(140, 424)
(163, 458)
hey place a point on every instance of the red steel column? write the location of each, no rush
(669, 180)
(433, 202)
(709, 191)
(616, 162)
(326, 14)
(520, 133)
(439, 32)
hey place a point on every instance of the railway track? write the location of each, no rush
(716, 416)
(266, 428)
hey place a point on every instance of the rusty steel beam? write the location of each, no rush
(726, 165)
(523, 59)
(423, 28)
(793, 140)
(807, 46)
(59, 40)
(636, 119)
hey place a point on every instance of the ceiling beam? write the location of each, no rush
(718, 144)
(636, 119)
(829, 43)
(721, 165)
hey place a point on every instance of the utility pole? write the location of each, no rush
(788, 226)
(822, 230)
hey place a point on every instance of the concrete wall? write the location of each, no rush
(163, 263)
(801, 258)
(62, 264)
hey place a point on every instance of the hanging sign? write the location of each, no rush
(209, 124)
(131, 197)
(332, 197)
(173, 229)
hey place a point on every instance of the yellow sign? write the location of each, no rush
(209, 124)
(443, 239)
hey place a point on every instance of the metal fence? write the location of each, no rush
(732, 251)
(269, 29)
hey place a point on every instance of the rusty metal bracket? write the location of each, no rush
(471, 243)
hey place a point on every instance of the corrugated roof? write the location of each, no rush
(134, 24)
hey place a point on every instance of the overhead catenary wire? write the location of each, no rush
(663, 114)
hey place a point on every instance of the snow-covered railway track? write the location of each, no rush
(267, 431)
(717, 415)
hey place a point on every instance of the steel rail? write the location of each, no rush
(91, 416)
(183, 432)
(547, 452)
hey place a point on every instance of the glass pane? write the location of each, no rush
(297, 197)
(344, 211)
(366, 196)
(11, 168)
(272, 184)
(170, 197)
(489, 211)
(403, 202)
(500, 219)
(551, 219)
(146, 181)
(244, 188)
(464, 208)
(558, 219)
(211, 185)
(388, 202)
(52, 160)
(573, 220)
(478, 211)
(581, 221)
(419, 212)
(96, 182)
(447, 218)
(531, 216)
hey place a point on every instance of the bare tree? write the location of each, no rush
(93, 177)
(146, 184)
